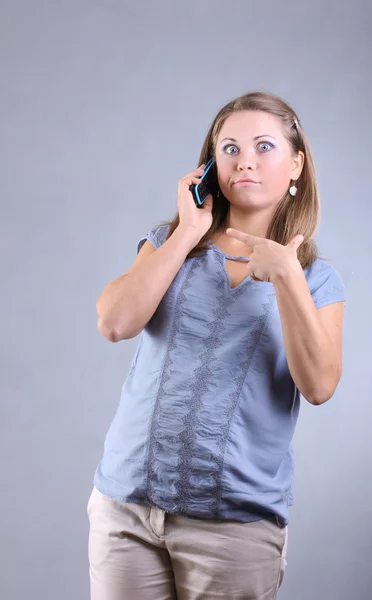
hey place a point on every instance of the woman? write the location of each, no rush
(238, 317)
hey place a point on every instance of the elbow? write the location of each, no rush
(106, 325)
(109, 333)
(318, 399)
(319, 396)
(115, 322)
(115, 334)
(324, 390)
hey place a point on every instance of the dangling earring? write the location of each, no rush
(293, 190)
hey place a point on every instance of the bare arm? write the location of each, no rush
(128, 302)
(312, 338)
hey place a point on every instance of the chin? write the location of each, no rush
(245, 198)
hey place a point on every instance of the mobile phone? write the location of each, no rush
(201, 190)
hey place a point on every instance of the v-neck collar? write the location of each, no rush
(228, 256)
(225, 257)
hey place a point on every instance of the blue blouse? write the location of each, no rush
(208, 410)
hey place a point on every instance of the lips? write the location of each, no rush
(245, 181)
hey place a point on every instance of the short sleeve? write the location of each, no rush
(156, 237)
(326, 286)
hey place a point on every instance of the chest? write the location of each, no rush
(236, 271)
(213, 306)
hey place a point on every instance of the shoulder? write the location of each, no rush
(155, 236)
(325, 283)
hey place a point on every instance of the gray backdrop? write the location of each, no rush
(104, 106)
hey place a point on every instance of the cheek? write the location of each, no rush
(276, 171)
(224, 170)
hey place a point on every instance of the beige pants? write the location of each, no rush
(138, 552)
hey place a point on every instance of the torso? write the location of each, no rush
(207, 413)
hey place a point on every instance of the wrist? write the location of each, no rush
(287, 272)
(188, 235)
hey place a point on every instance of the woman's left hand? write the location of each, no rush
(268, 259)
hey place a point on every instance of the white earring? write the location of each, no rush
(293, 190)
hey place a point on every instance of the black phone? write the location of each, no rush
(201, 191)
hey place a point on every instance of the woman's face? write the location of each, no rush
(251, 145)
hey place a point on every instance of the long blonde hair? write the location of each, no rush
(299, 215)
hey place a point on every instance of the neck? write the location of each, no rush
(256, 222)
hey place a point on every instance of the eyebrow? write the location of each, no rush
(256, 138)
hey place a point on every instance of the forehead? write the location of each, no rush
(248, 124)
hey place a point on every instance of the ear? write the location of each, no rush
(297, 165)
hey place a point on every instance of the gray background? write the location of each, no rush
(104, 106)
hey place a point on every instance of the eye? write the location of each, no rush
(265, 146)
(230, 149)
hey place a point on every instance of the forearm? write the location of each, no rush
(129, 302)
(311, 358)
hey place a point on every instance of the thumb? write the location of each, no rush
(296, 242)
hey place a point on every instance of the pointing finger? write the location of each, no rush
(246, 238)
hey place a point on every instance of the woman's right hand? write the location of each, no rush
(192, 218)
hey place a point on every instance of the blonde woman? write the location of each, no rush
(238, 316)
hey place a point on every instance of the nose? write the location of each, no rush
(247, 161)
